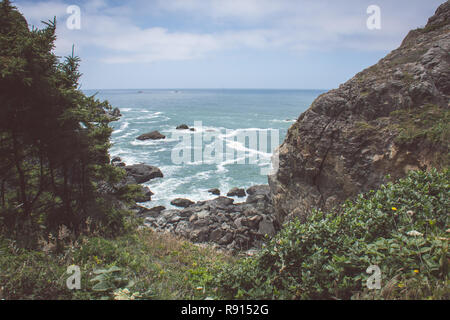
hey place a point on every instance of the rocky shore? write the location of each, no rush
(222, 222)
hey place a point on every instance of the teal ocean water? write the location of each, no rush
(224, 113)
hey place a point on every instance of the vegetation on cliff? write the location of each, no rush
(402, 228)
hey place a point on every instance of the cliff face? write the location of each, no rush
(388, 119)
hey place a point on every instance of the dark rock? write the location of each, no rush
(236, 192)
(216, 235)
(180, 202)
(219, 221)
(142, 173)
(169, 214)
(119, 164)
(153, 212)
(255, 198)
(226, 239)
(154, 135)
(182, 127)
(198, 207)
(266, 227)
(115, 113)
(253, 222)
(200, 235)
(116, 159)
(214, 191)
(220, 202)
(146, 195)
(258, 189)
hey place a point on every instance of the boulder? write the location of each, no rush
(236, 192)
(258, 194)
(220, 221)
(146, 195)
(182, 203)
(116, 159)
(115, 113)
(214, 191)
(216, 235)
(142, 173)
(258, 189)
(220, 202)
(153, 212)
(117, 162)
(266, 227)
(182, 127)
(154, 135)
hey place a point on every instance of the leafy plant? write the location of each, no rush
(402, 228)
(109, 279)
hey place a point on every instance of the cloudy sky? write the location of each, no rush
(301, 44)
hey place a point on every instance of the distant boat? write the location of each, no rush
(140, 91)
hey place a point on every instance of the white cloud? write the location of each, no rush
(241, 9)
(259, 24)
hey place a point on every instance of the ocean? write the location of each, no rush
(223, 114)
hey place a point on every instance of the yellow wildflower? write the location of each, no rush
(394, 208)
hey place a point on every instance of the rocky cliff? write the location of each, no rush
(388, 119)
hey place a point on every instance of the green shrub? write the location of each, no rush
(327, 257)
(430, 122)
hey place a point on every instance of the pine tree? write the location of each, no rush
(54, 140)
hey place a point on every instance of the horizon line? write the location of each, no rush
(291, 89)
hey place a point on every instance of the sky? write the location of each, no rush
(258, 44)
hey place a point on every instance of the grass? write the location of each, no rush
(161, 266)
(362, 127)
(430, 122)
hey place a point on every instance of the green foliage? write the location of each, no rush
(54, 140)
(327, 257)
(430, 122)
(433, 27)
(137, 265)
(109, 280)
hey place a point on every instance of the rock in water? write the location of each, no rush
(146, 195)
(116, 159)
(236, 192)
(180, 202)
(116, 112)
(214, 191)
(182, 127)
(154, 135)
(353, 136)
(142, 173)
